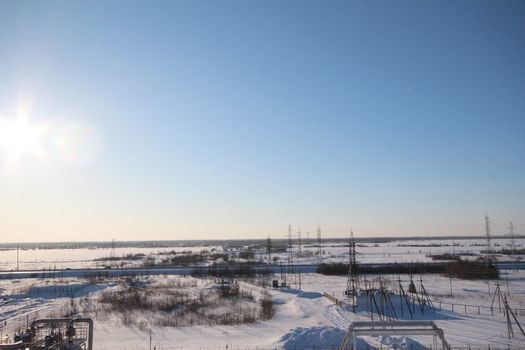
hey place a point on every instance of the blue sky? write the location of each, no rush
(232, 119)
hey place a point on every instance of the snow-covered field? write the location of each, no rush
(304, 317)
(35, 259)
(381, 252)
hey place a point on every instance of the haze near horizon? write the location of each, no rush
(167, 120)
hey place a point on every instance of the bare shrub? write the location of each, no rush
(126, 318)
(267, 309)
(167, 306)
(142, 325)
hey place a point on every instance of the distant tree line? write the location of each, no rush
(465, 269)
(473, 269)
(235, 271)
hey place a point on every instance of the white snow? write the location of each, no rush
(303, 318)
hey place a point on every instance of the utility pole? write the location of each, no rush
(17, 257)
(319, 246)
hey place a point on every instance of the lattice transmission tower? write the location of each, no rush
(512, 236)
(319, 245)
(488, 237)
(112, 254)
(352, 281)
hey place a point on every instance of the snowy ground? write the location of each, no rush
(304, 318)
(382, 252)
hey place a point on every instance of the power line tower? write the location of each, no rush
(112, 254)
(294, 275)
(319, 246)
(290, 248)
(488, 237)
(299, 248)
(291, 273)
(512, 238)
(351, 283)
(269, 249)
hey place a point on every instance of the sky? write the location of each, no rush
(141, 120)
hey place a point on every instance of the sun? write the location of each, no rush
(20, 138)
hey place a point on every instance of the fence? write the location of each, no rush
(467, 309)
(334, 299)
(473, 309)
(251, 347)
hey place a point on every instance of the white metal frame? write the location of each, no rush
(394, 328)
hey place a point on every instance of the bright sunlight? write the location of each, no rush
(19, 138)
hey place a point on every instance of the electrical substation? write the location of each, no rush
(53, 333)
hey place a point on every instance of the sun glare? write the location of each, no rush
(19, 138)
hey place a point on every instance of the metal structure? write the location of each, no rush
(290, 248)
(404, 297)
(112, 254)
(488, 237)
(294, 276)
(499, 295)
(509, 312)
(382, 304)
(424, 295)
(290, 271)
(17, 257)
(297, 273)
(415, 296)
(269, 249)
(352, 282)
(394, 328)
(55, 334)
(299, 244)
(512, 238)
(319, 248)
